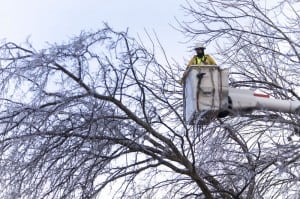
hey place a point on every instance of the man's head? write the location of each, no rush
(199, 48)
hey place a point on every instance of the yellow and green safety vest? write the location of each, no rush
(205, 60)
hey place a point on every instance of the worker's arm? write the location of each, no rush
(191, 62)
(184, 75)
(210, 60)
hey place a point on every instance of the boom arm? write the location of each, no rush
(207, 96)
(244, 99)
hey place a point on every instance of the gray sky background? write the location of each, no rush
(59, 20)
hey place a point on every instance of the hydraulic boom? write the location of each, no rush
(207, 95)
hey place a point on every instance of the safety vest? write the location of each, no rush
(199, 60)
(206, 60)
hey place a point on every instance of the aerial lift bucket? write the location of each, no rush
(205, 93)
(207, 96)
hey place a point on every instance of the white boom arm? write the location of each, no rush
(244, 99)
(207, 96)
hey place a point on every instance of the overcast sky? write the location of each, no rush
(58, 20)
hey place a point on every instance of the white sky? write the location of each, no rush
(58, 20)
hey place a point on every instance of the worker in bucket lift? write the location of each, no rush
(199, 59)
